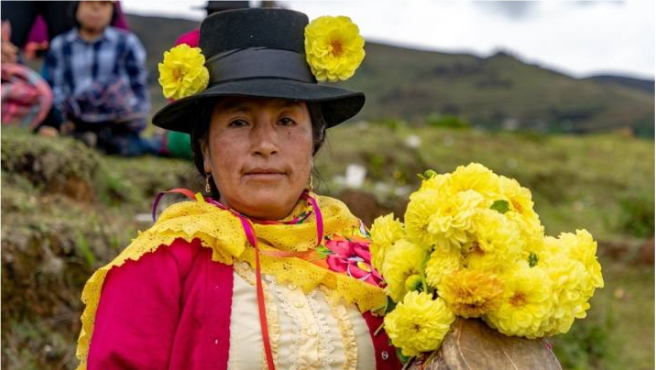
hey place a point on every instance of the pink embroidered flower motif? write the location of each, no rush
(352, 257)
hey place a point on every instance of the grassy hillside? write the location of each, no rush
(496, 92)
(68, 210)
(634, 83)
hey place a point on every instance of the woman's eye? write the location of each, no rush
(286, 121)
(238, 123)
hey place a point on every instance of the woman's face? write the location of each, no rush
(259, 152)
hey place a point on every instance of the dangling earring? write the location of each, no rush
(310, 186)
(208, 189)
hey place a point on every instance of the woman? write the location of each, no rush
(262, 273)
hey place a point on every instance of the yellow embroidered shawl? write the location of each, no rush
(223, 233)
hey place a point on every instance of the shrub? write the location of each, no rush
(448, 121)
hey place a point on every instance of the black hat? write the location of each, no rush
(258, 53)
(219, 6)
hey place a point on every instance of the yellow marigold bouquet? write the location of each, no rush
(472, 246)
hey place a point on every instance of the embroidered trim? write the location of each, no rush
(346, 330)
(326, 346)
(289, 311)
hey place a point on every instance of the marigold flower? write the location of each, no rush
(442, 263)
(570, 295)
(471, 293)
(495, 243)
(475, 177)
(526, 303)
(521, 207)
(575, 273)
(453, 219)
(403, 260)
(423, 205)
(182, 72)
(334, 48)
(385, 231)
(418, 324)
(518, 196)
(436, 182)
(581, 247)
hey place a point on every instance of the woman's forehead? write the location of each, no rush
(230, 104)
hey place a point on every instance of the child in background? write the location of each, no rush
(98, 76)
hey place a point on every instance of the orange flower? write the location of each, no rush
(470, 293)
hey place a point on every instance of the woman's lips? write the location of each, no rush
(264, 174)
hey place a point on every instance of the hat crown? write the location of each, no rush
(226, 5)
(246, 28)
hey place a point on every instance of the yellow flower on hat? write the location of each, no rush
(334, 48)
(182, 72)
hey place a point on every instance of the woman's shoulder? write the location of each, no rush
(183, 252)
(175, 258)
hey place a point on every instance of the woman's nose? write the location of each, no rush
(264, 141)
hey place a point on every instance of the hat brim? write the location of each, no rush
(337, 104)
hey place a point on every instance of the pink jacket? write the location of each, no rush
(171, 310)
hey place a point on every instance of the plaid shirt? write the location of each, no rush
(76, 68)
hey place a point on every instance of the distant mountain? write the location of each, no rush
(630, 82)
(498, 92)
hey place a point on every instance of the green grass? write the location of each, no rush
(576, 181)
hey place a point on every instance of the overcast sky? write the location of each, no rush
(580, 38)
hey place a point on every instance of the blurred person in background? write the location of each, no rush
(98, 76)
(26, 97)
(23, 14)
(36, 23)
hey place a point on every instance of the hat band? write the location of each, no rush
(258, 63)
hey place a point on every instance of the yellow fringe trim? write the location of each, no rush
(223, 233)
